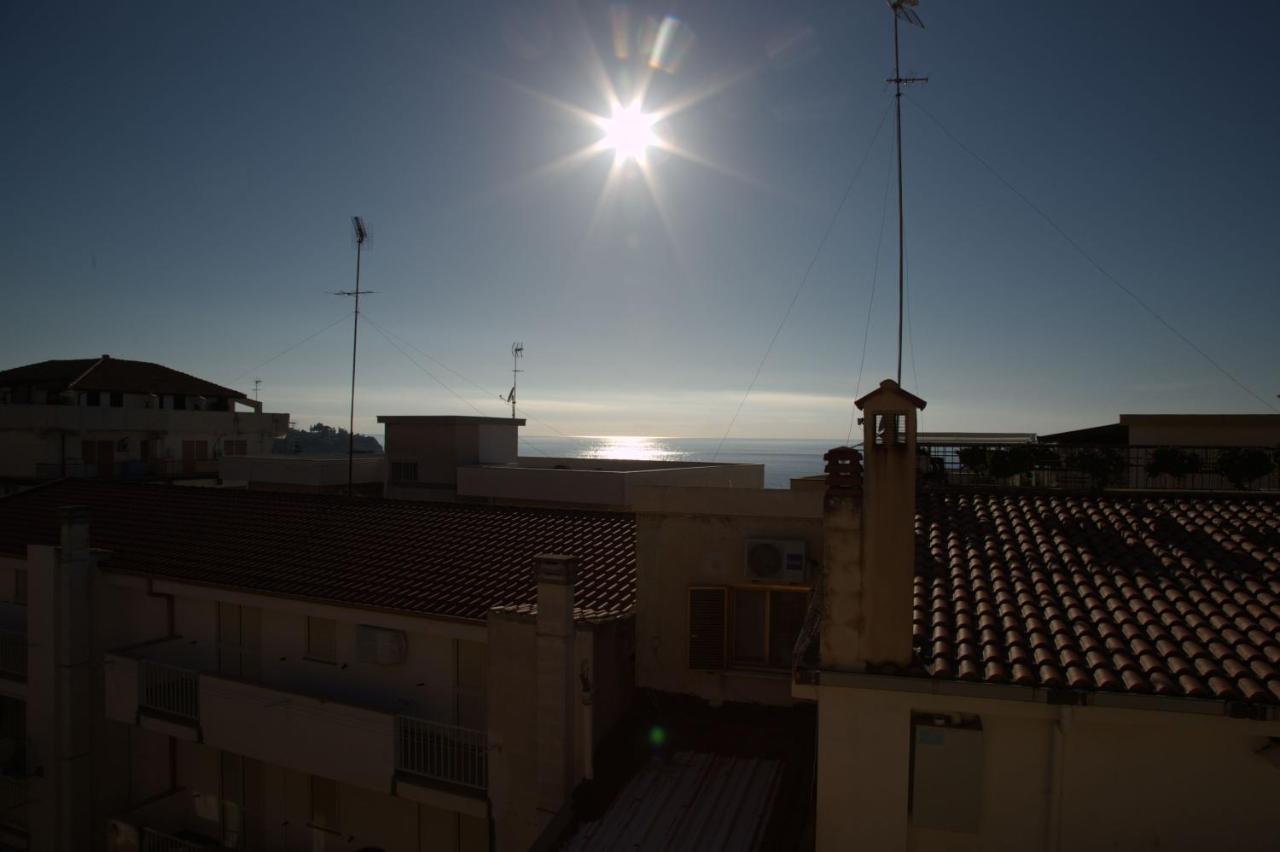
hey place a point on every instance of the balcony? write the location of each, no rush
(171, 823)
(368, 746)
(128, 470)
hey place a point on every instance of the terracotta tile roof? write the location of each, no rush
(1170, 594)
(443, 559)
(112, 374)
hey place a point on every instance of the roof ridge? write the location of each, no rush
(71, 384)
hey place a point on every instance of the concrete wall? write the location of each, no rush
(1189, 430)
(611, 487)
(1068, 778)
(690, 537)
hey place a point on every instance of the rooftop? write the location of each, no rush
(112, 374)
(442, 559)
(1170, 594)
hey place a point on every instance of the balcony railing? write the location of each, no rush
(442, 752)
(158, 841)
(128, 470)
(13, 654)
(169, 689)
(1081, 466)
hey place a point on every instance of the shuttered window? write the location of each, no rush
(707, 628)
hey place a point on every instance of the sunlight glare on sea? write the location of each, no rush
(641, 447)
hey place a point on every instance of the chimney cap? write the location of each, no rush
(555, 568)
(890, 388)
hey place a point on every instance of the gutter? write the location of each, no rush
(1034, 694)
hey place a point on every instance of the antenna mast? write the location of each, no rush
(361, 235)
(257, 383)
(517, 352)
(902, 9)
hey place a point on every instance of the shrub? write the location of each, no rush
(1174, 462)
(1243, 465)
(1101, 464)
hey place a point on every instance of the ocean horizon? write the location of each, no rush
(783, 458)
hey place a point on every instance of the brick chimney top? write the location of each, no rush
(844, 471)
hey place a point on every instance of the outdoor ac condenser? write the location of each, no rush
(774, 560)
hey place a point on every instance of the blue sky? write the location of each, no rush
(178, 183)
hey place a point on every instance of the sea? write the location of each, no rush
(782, 458)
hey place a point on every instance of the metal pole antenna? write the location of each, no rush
(897, 99)
(361, 235)
(901, 9)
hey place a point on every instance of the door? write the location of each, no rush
(192, 453)
(106, 458)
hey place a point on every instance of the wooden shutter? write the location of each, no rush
(707, 627)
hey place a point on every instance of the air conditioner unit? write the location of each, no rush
(380, 645)
(122, 837)
(772, 560)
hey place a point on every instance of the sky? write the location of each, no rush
(178, 182)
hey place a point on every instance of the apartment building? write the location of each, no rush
(196, 668)
(1024, 669)
(115, 418)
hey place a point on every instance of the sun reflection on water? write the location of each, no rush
(642, 447)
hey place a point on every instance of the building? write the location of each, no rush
(110, 417)
(998, 668)
(191, 667)
(1179, 430)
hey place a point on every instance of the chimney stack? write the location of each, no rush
(556, 679)
(869, 537)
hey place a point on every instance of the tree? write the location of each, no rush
(1173, 462)
(1102, 465)
(1243, 465)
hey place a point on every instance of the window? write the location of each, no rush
(92, 398)
(117, 399)
(944, 788)
(239, 633)
(404, 471)
(235, 447)
(232, 772)
(322, 639)
(891, 429)
(324, 803)
(179, 402)
(744, 626)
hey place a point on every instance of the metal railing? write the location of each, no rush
(442, 752)
(128, 470)
(1082, 466)
(169, 689)
(13, 654)
(158, 841)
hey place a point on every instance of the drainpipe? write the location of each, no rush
(588, 758)
(1057, 770)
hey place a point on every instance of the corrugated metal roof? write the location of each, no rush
(694, 801)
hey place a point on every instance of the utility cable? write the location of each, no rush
(804, 279)
(1089, 258)
(866, 331)
(488, 394)
(390, 338)
(289, 349)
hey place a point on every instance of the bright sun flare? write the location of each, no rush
(629, 132)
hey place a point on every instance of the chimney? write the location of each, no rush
(888, 522)
(870, 585)
(556, 679)
(842, 560)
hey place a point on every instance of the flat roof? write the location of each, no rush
(446, 419)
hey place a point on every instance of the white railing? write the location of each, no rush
(169, 689)
(158, 841)
(13, 654)
(442, 752)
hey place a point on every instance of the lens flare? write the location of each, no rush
(629, 131)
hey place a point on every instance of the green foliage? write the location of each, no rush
(1173, 462)
(1007, 462)
(322, 439)
(975, 459)
(1243, 465)
(1102, 465)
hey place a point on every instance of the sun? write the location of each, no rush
(629, 132)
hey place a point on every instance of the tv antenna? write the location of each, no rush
(517, 352)
(257, 383)
(902, 10)
(362, 234)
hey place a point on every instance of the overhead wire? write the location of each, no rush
(1049, 220)
(804, 279)
(390, 338)
(866, 331)
(294, 346)
(488, 394)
